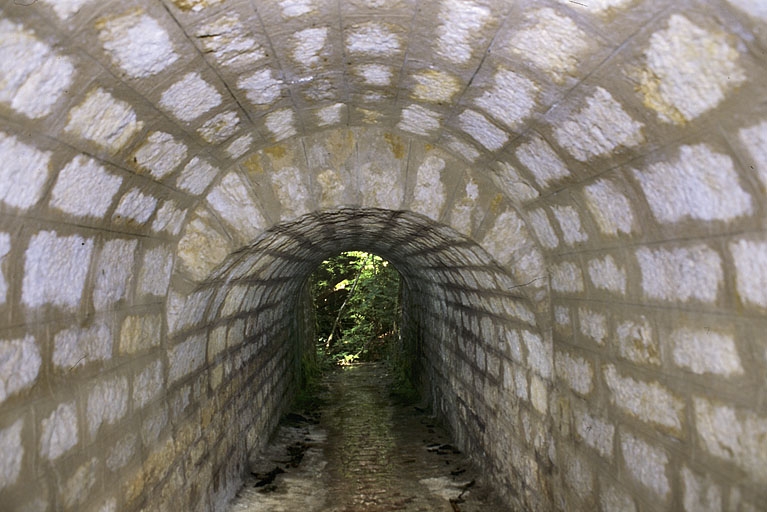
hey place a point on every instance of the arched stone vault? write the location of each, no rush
(574, 191)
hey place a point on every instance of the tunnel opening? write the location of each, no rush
(356, 303)
(467, 324)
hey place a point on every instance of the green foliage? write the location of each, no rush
(356, 299)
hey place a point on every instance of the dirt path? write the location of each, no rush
(360, 450)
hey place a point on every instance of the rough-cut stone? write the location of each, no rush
(139, 333)
(482, 130)
(610, 209)
(681, 274)
(232, 200)
(113, 272)
(190, 97)
(196, 176)
(605, 274)
(575, 371)
(429, 194)
(84, 188)
(583, 135)
(593, 325)
(511, 99)
(419, 120)
(230, 43)
(186, 357)
(135, 206)
(647, 401)
(160, 154)
(595, 432)
(636, 341)
(59, 431)
(147, 384)
(705, 351)
(55, 269)
(76, 347)
(749, 257)
(13, 454)
(542, 161)
(700, 494)
(685, 50)
(102, 119)
(23, 173)
(700, 185)
(107, 403)
(552, 42)
(736, 436)
(570, 223)
(5, 248)
(261, 87)
(566, 277)
(539, 220)
(461, 21)
(282, 124)
(137, 43)
(372, 39)
(646, 463)
(19, 365)
(156, 268)
(32, 77)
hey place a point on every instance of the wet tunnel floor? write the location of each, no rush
(359, 449)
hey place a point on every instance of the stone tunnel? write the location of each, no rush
(573, 193)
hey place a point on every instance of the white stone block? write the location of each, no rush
(419, 120)
(754, 139)
(240, 146)
(281, 123)
(23, 174)
(293, 194)
(539, 395)
(647, 401)
(59, 431)
(705, 351)
(77, 346)
(575, 371)
(77, 488)
(598, 6)
(136, 206)
(13, 454)
(55, 269)
(690, 70)
(139, 333)
(331, 114)
(579, 475)
(552, 42)
(84, 188)
(636, 342)
(614, 499)
(308, 46)
(219, 127)
(202, 248)
(570, 224)
(33, 78)
(751, 272)
(605, 274)
(435, 86)
(107, 403)
(739, 437)
(234, 202)
(540, 356)
(120, 454)
(610, 209)
(137, 43)
(186, 357)
(594, 431)
(511, 99)
(461, 22)
(102, 119)
(700, 185)
(539, 220)
(160, 154)
(506, 233)
(544, 164)
(65, 9)
(230, 42)
(508, 178)
(148, 384)
(156, 268)
(19, 365)
(190, 97)
(169, 218)
(584, 134)
(372, 39)
(429, 194)
(381, 186)
(566, 277)
(196, 176)
(374, 74)
(593, 325)
(646, 463)
(700, 494)
(113, 272)
(681, 274)
(755, 8)
(5, 248)
(482, 130)
(261, 87)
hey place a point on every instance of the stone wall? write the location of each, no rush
(574, 193)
